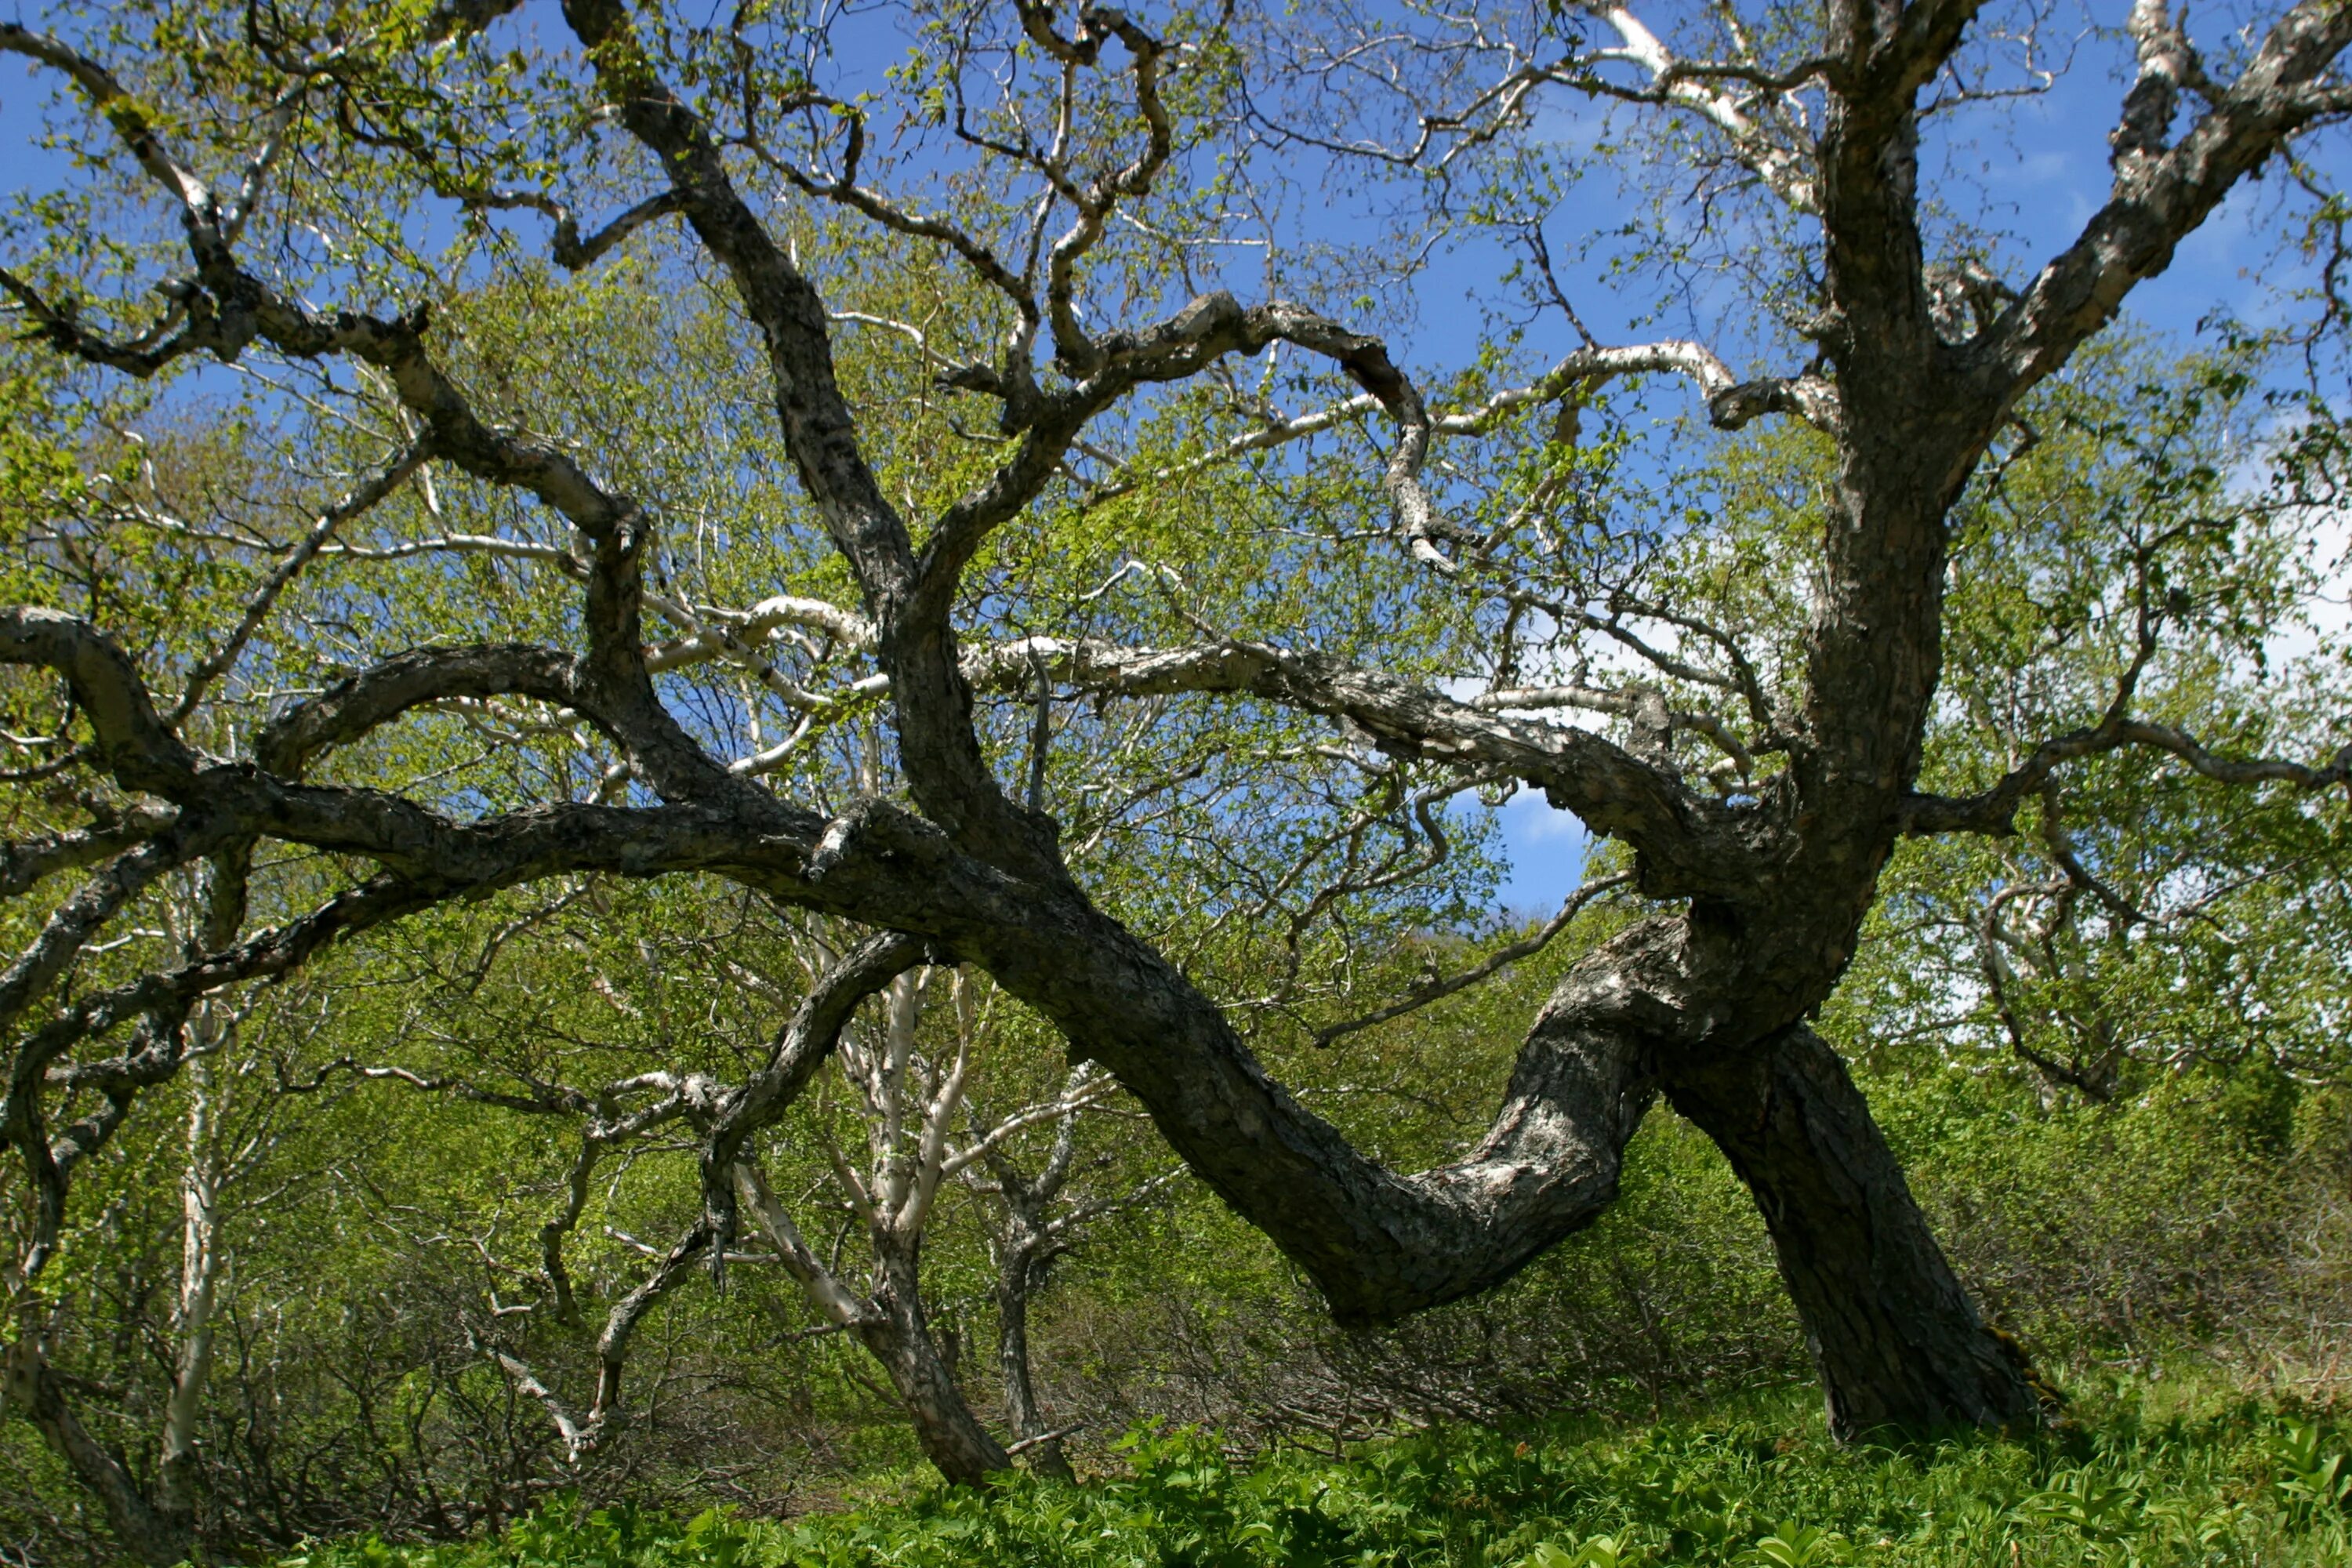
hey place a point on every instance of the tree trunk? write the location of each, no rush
(156, 1537)
(200, 1265)
(1896, 1340)
(1014, 1278)
(952, 1437)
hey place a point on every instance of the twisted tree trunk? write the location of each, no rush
(1896, 1340)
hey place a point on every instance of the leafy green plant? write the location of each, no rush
(2197, 1529)
(1567, 1494)
(2310, 1477)
(1794, 1546)
(1600, 1552)
(2100, 1508)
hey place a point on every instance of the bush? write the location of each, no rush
(2244, 1485)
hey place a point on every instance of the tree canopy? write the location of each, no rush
(1107, 503)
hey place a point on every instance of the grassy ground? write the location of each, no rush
(2141, 1477)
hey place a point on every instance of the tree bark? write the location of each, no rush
(899, 1336)
(1377, 1244)
(1897, 1342)
(153, 1536)
(1015, 1277)
(200, 1265)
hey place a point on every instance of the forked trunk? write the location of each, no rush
(952, 1437)
(1896, 1340)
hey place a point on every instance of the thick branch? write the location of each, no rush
(1688, 844)
(1781, 160)
(134, 743)
(27, 862)
(2159, 195)
(360, 704)
(1994, 810)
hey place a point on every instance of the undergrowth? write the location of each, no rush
(2243, 1485)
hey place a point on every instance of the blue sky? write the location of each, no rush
(2039, 165)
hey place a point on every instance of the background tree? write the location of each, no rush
(1075, 167)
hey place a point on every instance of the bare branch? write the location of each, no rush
(572, 253)
(1502, 958)
(1784, 162)
(373, 490)
(2160, 194)
(806, 1041)
(826, 1292)
(122, 111)
(1685, 841)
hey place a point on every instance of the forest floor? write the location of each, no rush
(2145, 1475)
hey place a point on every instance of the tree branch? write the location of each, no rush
(2160, 194)
(1994, 810)
(803, 1046)
(1437, 989)
(1688, 844)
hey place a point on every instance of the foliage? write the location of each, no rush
(405, 1197)
(2140, 1486)
(2201, 1220)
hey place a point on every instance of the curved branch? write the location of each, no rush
(1380, 1244)
(572, 253)
(1502, 958)
(803, 1046)
(133, 742)
(1073, 346)
(264, 955)
(1994, 811)
(72, 923)
(1209, 328)
(29, 861)
(1687, 845)
(2161, 194)
(376, 696)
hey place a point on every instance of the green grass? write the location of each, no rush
(2237, 1485)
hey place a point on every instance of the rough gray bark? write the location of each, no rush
(1896, 1340)
(889, 1319)
(1379, 1243)
(1708, 998)
(899, 1336)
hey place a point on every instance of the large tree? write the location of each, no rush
(344, 190)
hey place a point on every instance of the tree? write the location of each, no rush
(910, 1103)
(1077, 397)
(2139, 924)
